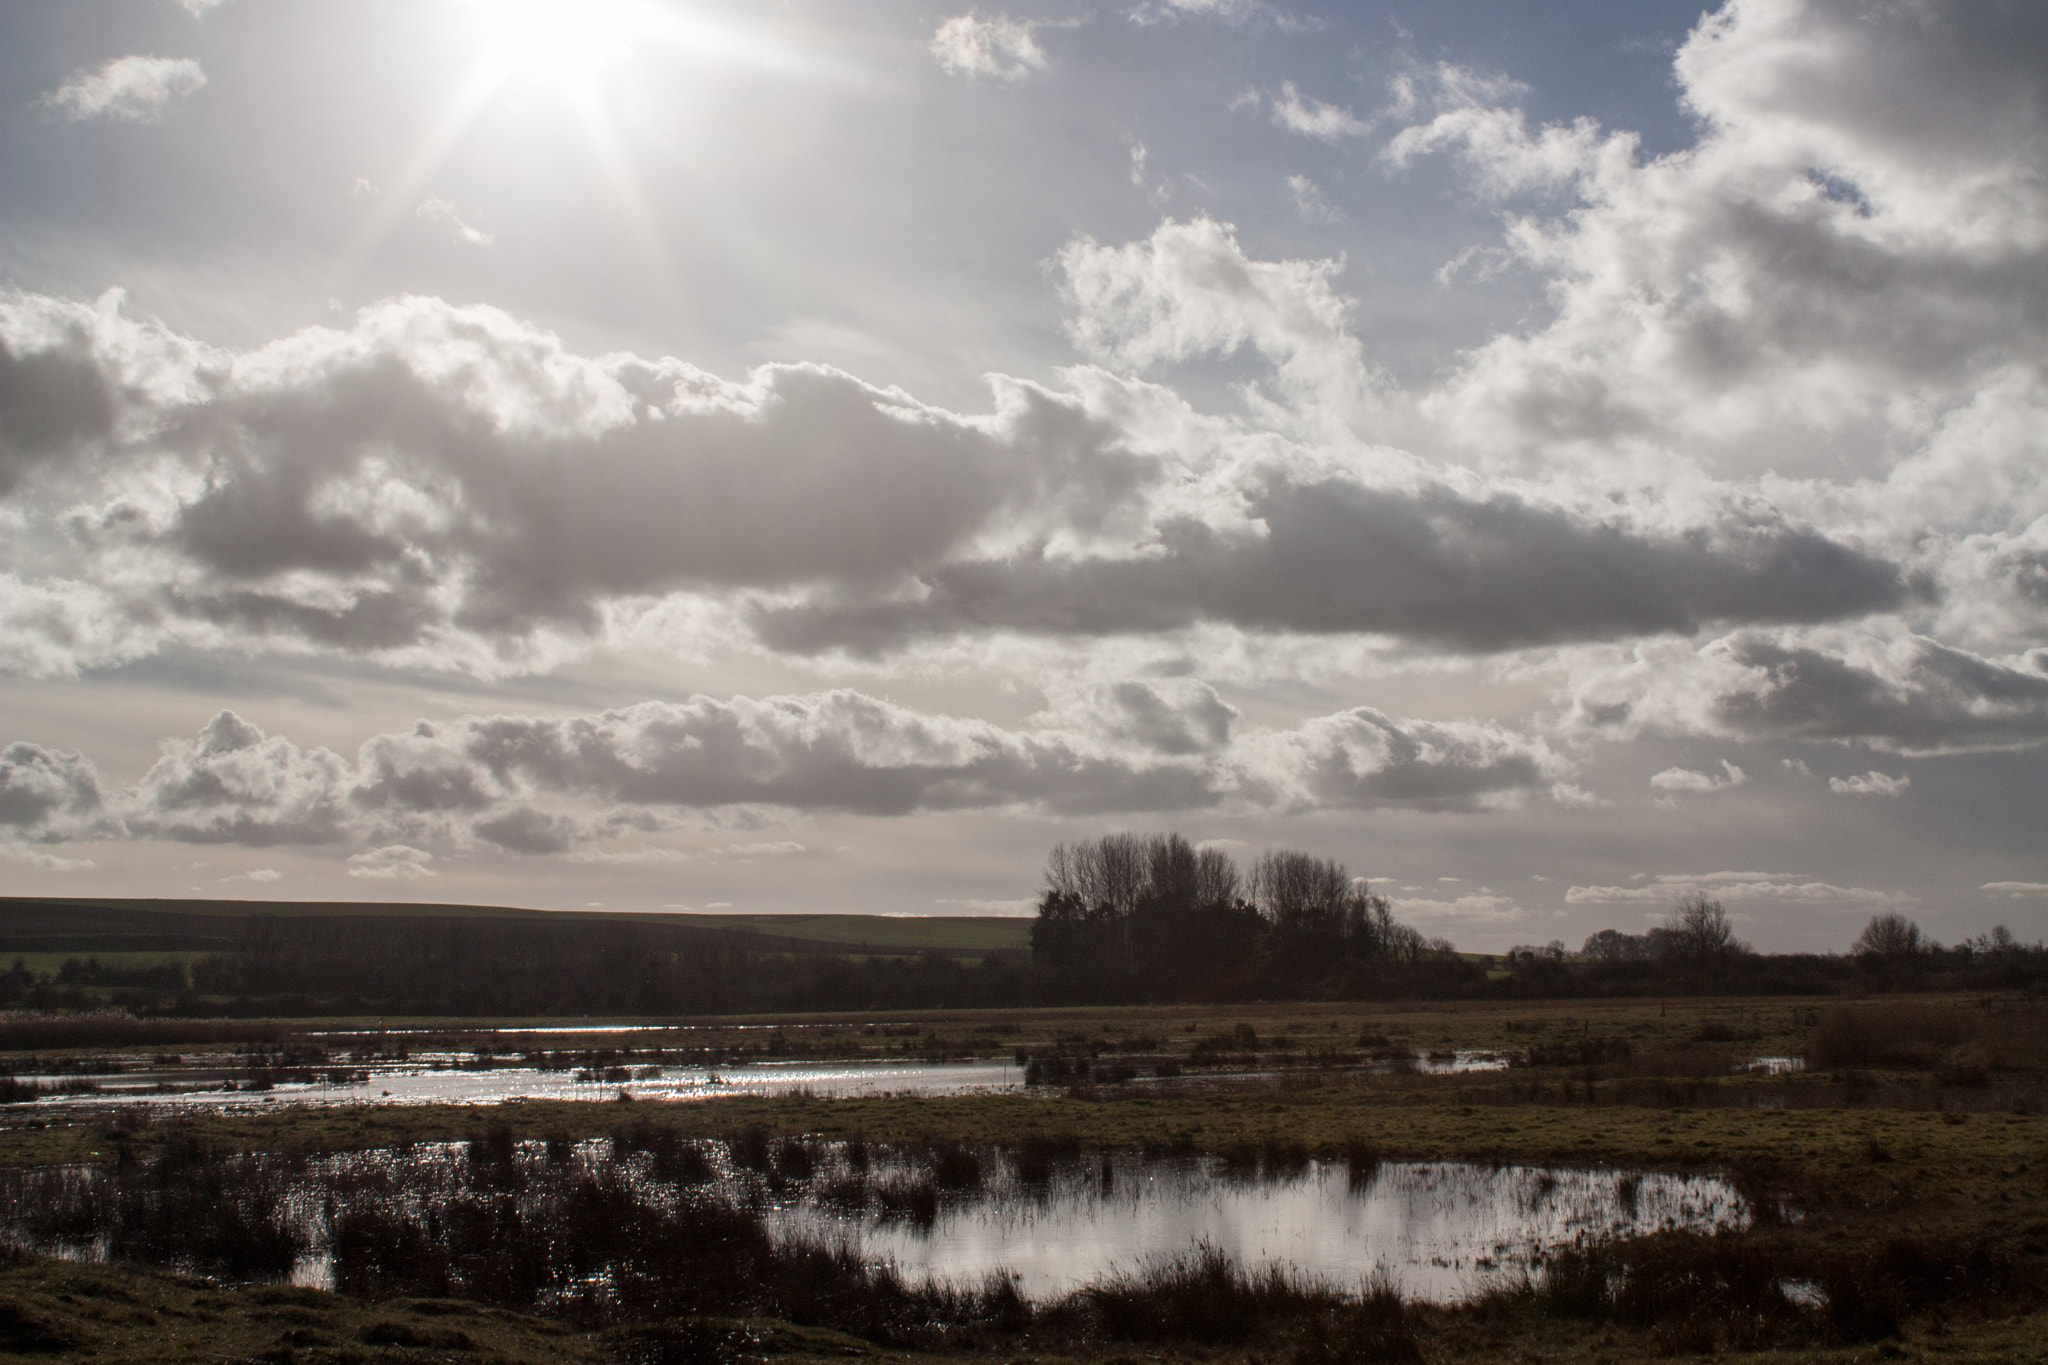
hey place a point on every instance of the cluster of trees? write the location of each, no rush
(1696, 949)
(1137, 917)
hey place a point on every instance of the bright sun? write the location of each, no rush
(566, 42)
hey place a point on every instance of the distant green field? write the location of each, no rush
(984, 932)
(882, 933)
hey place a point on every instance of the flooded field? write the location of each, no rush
(455, 1078)
(1045, 1222)
(498, 1068)
(1437, 1231)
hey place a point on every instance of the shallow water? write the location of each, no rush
(1774, 1066)
(1437, 1230)
(1460, 1062)
(423, 1081)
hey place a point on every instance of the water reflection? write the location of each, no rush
(1774, 1066)
(1437, 1229)
(449, 1079)
(1460, 1061)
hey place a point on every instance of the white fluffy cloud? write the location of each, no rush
(134, 89)
(1311, 117)
(999, 47)
(1697, 783)
(1666, 889)
(1872, 783)
(1479, 909)
(391, 863)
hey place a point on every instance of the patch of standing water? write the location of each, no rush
(1773, 1066)
(1439, 1231)
(1459, 1062)
(423, 1082)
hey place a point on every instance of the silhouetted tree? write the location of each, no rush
(1888, 938)
(1699, 931)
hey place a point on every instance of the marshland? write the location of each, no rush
(1191, 1117)
(1601, 1179)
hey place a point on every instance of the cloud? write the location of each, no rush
(1361, 759)
(1841, 255)
(47, 794)
(260, 875)
(132, 89)
(43, 861)
(2016, 890)
(1889, 689)
(1699, 784)
(1309, 201)
(1669, 888)
(560, 785)
(393, 862)
(1009, 908)
(1769, 463)
(1332, 556)
(1313, 118)
(446, 487)
(1476, 909)
(1001, 48)
(1870, 784)
(1917, 697)
(235, 785)
(1231, 12)
(1191, 289)
(434, 209)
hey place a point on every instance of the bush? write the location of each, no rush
(1892, 1034)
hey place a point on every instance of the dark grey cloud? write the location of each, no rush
(1178, 717)
(1361, 759)
(1337, 557)
(1937, 699)
(53, 399)
(439, 476)
(47, 793)
(441, 471)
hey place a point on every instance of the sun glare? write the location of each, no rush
(565, 42)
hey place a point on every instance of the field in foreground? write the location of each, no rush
(1912, 1176)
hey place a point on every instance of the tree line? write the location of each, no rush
(1123, 918)
(1151, 917)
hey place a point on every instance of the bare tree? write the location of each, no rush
(1889, 936)
(1297, 891)
(1699, 930)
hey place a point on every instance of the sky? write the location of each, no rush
(677, 454)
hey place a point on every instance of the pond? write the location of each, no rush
(1437, 1230)
(549, 1217)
